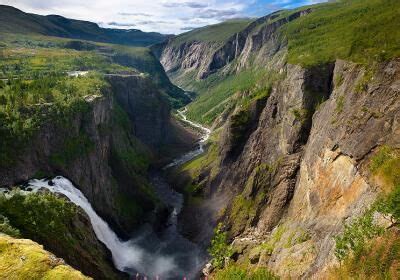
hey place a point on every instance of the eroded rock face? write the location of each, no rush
(333, 181)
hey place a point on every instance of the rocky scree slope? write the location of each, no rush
(291, 166)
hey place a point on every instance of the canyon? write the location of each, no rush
(249, 133)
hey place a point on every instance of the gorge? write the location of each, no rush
(260, 148)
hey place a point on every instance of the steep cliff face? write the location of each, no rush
(303, 167)
(149, 111)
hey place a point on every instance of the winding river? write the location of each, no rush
(167, 254)
(200, 148)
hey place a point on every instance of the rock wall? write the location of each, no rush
(302, 171)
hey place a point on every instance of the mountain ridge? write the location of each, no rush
(16, 21)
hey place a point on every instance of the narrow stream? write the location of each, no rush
(167, 254)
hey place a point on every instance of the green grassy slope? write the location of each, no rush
(14, 21)
(357, 30)
(217, 33)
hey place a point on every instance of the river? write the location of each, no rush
(199, 149)
(167, 254)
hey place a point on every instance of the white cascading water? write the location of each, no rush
(125, 254)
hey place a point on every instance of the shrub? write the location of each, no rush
(236, 272)
(39, 216)
(6, 228)
(377, 259)
(386, 163)
(219, 249)
(355, 235)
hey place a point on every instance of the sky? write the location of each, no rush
(169, 17)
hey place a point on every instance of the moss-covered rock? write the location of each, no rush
(25, 259)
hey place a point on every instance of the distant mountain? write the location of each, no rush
(13, 20)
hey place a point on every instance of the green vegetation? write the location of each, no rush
(134, 156)
(301, 115)
(39, 216)
(218, 33)
(58, 224)
(208, 160)
(297, 237)
(26, 104)
(357, 30)
(245, 206)
(26, 60)
(339, 104)
(217, 93)
(129, 162)
(236, 272)
(242, 213)
(275, 237)
(377, 259)
(385, 164)
(6, 228)
(238, 126)
(355, 235)
(73, 147)
(25, 259)
(219, 249)
(144, 60)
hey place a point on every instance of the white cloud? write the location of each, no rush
(162, 16)
(147, 15)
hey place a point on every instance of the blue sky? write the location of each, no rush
(164, 16)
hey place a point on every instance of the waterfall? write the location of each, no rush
(127, 255)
